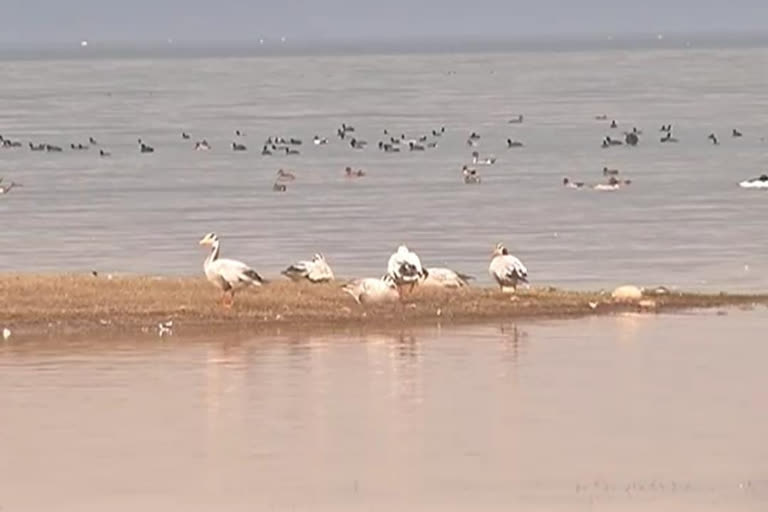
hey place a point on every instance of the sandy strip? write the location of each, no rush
(34, 303)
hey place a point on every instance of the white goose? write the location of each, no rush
(439, 277)
(315, 270)
(506, 269)
(226, 274)
(404, 267)
(372, 290)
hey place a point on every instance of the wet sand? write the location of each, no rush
(83, 303)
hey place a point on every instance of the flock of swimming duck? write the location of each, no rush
(404, 272)
(277, 145)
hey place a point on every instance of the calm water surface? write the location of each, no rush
(615, 413)
(683, 222)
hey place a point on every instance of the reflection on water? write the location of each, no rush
(616, 413)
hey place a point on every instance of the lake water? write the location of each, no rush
(683, 222)
(623, 413)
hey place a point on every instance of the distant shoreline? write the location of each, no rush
(34, 304)
(274, 47)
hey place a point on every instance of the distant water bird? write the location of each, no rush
(238, 147)
(202, 145)
(736, 133)
(319, 141)
(357, 144)
(573, 184)
(53, 149)
(92, 141)
(514, 143)
(482, 161)
(285, 176)
(666, 128)
(432, 145)
(78, 147)
(471, 143)
(668, 138)
(388, 148)
(631, 139)
(439, 277)
(239, 133)
(228, 275)
(265, 151)
(145, 148)
(713, 138)
(413, 146)
(7, 143)
(4, 189)
(290, 151)
(185, 136)
(349, 173)
(610, 172)
(474, 136)
(36, 147)
(759, 182)
(347, 128)
(404, 267)
(316, 270)
(606, 187)
(613, 124)
(609, 142)
(470, 176)
(372, 290)
(516, 120)
(279, 187)
(295, 142)
(104, 153)
(601, 117)
(505, 269)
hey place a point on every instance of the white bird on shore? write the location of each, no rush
(506, 269)
(371, 290)
(228, 275)
(759, 182)
(315, 270)
(404, 267)
(439, 277)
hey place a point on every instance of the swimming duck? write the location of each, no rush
(227, 275)
(290, 151)
(608, 142)
(517, 120)
(53, 149)
(285, 176)
(38, 147)
(514, 143)
(736, 133)
(92, 141)
(610, 172)
(202, 145)
(759, 182)
(505, 269)
(482, 161)
(474, 136)
(415, 147)
(470, 176)
(238, 147)
(315, 270)
(573, 184)
(185, 135)
(349, 173)
(144, 148)
(668, 138)
(357, 144)
(103, 153)
(295, 142)
(78, 147)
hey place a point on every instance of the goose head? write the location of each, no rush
(209, 239)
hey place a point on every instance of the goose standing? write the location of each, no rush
(371, 290)
(228, 275)
(315, 270)
(506, 269)
(439, 277)
(404, 267)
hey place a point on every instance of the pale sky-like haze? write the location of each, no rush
(195, 21)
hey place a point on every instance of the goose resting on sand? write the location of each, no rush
(506, 269)
(228, 275)
(371, 290)
(438, 277)
(315, 270)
